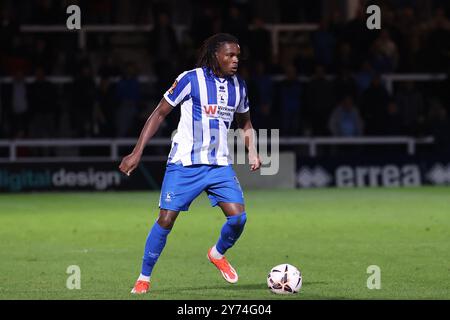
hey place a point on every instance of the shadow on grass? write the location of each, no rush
(248, 287)
(232, 287)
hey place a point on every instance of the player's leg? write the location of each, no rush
(154, 245)
(156, 240)
(232, 228)
(181, 185)
(227, 194)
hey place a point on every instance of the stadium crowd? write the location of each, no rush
(345, 93)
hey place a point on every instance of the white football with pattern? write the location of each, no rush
(284, 279)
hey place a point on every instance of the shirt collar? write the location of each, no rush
(211, 74)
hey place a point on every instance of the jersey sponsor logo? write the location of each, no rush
(210, 110)
(219, 111)
(174, 85)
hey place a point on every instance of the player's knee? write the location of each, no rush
(165, 222)
(166, 219)
(237, 221)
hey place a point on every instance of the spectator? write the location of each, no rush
(413, 59)
(42, 55)
(44, 13)
(411, 106)
(305, 61)
(290, 11)
(438, 125)
(9, 30)
(438, 42)
(105, 108)
(319, 101)
(16, 57)
(164, 50)
(99, 11)
(364, 77)
(324, 43)
(128, 95)
(204, 21)
(19, 106)
(357, 35)
(345, 121)
(83, 100)
(384, 53)
(344, 57)
(44, 111)
(337, 24)
(290, 94)
(108, 67)
(392, 124)
(259, 42)
(345, 84)
(374, 105)
(237, 25)
(262, 97)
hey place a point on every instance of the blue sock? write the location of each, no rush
(230, 232)
(154, 245)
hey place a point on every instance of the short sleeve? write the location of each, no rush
(179, 90)
(244, 103)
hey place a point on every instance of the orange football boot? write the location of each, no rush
(228, 272)
(141, 287)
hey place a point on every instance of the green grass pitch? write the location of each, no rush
(331, 235)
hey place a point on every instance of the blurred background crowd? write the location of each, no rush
(329, 81)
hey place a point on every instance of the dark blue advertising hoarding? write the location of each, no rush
(405, 171)
(324, 172)
(83, 176)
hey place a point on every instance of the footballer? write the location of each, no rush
(209, 96)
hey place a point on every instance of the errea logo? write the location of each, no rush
(439, 174)
(313, 177)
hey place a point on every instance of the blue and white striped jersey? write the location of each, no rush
(208, 104)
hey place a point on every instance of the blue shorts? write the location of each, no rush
(181, 185)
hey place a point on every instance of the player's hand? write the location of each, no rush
(129, 163)
(255, 162)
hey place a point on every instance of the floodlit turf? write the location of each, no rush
(331, 235)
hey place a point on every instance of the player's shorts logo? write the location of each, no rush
(169, 196)
(173, 87)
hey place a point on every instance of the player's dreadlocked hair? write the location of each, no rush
(207, 57)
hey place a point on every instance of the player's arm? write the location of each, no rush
(244, 123)
(131, 161)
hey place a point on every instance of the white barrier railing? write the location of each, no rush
(114, 145)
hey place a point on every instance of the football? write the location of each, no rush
(284, 279)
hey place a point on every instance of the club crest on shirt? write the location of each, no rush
(222, 99)
(173, 87)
